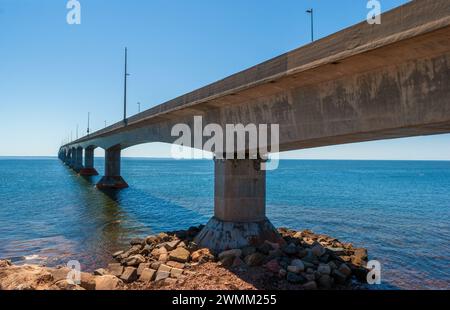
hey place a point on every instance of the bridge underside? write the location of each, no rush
(368, 82)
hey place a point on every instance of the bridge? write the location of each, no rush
(367, 82)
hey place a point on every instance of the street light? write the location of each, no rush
(139, 107)
(311, 11)
(89, 116)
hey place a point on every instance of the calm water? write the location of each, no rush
(400, 211)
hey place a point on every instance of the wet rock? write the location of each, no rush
(134, 260)
(141, 267)
(295, 278)
(234, 253)
(107, 283)
(151, 240)
(311, 285)
(179, 255)
(255, 259)
(163, 237)
(115, 269)
(129, 275)
(147, 275)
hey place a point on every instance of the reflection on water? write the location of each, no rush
(400, 211)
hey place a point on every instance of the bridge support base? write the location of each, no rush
(239, 207)
(86, 172)
(112, 178)
(112, 183)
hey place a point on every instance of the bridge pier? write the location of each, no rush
(239, 207)
(78, 159)
(112, 178)
(88, 169)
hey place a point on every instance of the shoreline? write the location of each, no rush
(171, 261)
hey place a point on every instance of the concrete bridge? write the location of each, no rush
(367, 82)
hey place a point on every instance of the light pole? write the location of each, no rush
(105, 124)
(139, 107)
(311, 11)
(77, 133)
(89, 116)
(125, 88)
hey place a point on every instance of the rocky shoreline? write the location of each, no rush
(172, 261)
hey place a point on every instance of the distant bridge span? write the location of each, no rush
(367, 82)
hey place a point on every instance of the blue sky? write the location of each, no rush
(52, 73)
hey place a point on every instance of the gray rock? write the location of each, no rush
(345, 270)
(117, 254)
(248, 250)
(100, 272)
(294, 269)
(339, 277)
(142, 267)
(318, 250)
(137, 241)
(170, 246)
(265, 248)
(107, 283)
(161, 275)
(298, 263)
(176, 273)
(180, 255)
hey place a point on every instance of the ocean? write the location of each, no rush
(398, 210)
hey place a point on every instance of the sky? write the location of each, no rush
(52, 73)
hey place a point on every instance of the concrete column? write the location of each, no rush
(78, 162)
(112, 178)
(88, 169)
(73, 157)
(239, 207)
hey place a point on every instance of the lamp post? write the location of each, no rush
(89, 116)
(125, 88)
(139, 107)
(311, 11)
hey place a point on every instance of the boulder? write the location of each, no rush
(158, 251)
(202, 255)
(137, 241)
(325, 282)
(265, 248)
(62, 285)
(141, 267)
(100, 272)
(295, 278)
(163, 267)
(129, 275)
(163, 258)
(107, 283)
(290, 249)
(134, 260)
(345, 270)
(294, 269)
(234, 253)
(117, 254)
(147, 275)
(155, 265)
(176, 273)
(87, 281)
(179, 255)
(298, 263)
(248, 250)
(151, 240)
(318, 250)
(115, 269)
(175, 264)
(309, 286)
(161, 275)
(273, 266)
(170, 246)
(255, 259)
(339, 277)
(227, 261)
(324, 269)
